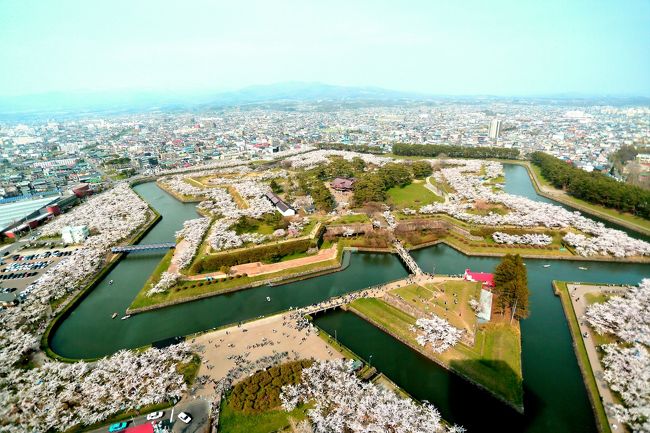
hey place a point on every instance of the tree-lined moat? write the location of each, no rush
(554, 394)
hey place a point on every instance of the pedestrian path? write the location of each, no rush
(409, 261)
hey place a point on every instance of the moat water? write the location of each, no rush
(554, 393)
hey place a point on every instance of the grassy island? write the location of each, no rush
(489, 355)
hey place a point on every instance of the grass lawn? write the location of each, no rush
(238, 199)
(494, 361)
(351, 219)
(439, 299)
(494, 208)
(189, 289)
(234, 421)
(412, 196)
(163, 265)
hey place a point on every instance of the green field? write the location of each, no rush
(187, 289)
(412, 196)
(439, 299)
(351, 219)
(232, 421)
(493, 362)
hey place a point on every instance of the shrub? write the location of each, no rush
(261, 391)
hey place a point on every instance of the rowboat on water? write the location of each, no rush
(547, 266)
(582, 268)
(125, 317)
(114, 316)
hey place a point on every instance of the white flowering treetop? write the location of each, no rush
(312, 159)
(345, 404)
(192, 233)
(627, 371)
(437, 332)
(627, 316)
(463, 176)
(56, 395)
(537, 239)
(627, 362)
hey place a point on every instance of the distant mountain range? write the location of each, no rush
(86, 104)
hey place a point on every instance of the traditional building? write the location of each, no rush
(342, 184)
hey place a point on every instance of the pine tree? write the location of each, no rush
(511, 286)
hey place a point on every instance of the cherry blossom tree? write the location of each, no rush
(344, 404)
(437, 332)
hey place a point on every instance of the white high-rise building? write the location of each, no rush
(495, 128)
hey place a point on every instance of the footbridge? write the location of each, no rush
(409, 261)
(140, 248)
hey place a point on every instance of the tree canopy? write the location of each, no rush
(369, 187)
(421, 169)
(431, 150)
(593, 187)
(511, 286)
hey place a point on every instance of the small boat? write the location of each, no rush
(110, 282)
(547, 266)
(125, 317)
(268, 299)
(114, 316)
(582, 268)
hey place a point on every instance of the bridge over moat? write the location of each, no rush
(143, 248)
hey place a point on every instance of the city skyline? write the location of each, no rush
(501, 49)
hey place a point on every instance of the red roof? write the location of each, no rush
(142, 428)
(483, 277)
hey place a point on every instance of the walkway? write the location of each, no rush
(377, 291)
(406, 257)
(141, 248)
(437, 191)
(229, 352)
(577, 294)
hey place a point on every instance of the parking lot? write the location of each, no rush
(19, 269)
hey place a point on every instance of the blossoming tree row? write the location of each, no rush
(344, 404)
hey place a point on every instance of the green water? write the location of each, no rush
(555, 396)
(90, 332)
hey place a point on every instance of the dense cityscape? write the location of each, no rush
(48, 157)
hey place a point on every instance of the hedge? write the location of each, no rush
(271, 252)
(261, 391)
(432, 150)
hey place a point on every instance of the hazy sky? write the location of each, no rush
(447, 47)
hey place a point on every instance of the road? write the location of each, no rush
(198, 409)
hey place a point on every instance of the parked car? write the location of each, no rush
(118, 426)
(185, 417)
(154, 415)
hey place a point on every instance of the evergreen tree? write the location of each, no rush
(323, 199)
(511, 286)
(369, 187)
(275, 187)
(421, 169)
(358, 164)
